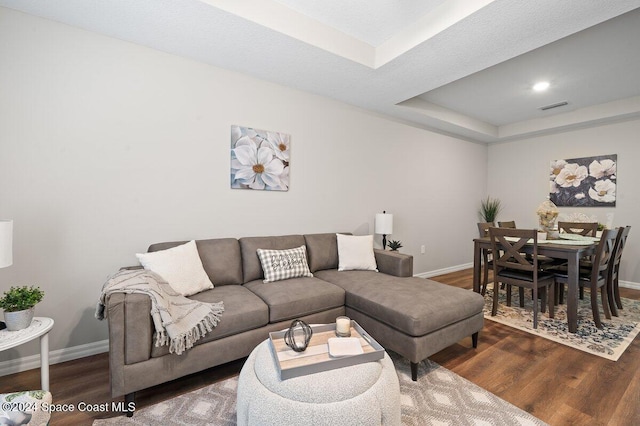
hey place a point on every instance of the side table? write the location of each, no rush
(40, 327)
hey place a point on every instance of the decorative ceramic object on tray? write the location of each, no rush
(298, 336)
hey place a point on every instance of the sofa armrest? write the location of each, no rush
(393, 263)
(130, 335)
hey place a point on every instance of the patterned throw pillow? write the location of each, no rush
(284, 264)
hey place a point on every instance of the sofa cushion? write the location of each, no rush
(180, 266)
(415, 306)
(297, 297)
(243, 311)
(280, 265)
(220, 258)
(356, 253)
(249, 247)
(322, 250)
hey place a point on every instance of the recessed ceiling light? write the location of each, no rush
(541, 86)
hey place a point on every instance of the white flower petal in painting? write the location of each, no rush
(245, 140)
(284, 178)
(603, 191)
(556, 167)
(247, 155)
(272, 172)
(571, 175)
(236, 133)
(235, 164)
(553, 188)
(257, 168)
(280, 144)
(600, 169)
(580, 196)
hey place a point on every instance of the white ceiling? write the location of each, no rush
(460, 67)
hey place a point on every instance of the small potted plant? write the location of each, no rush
(18, 304)
(394, 245)
(489, 209)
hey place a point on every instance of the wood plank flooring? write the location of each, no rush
(558, 384)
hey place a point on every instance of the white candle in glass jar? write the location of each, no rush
(343, 325)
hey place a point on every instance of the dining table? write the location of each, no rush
(572, 252)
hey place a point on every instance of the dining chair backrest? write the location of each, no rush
(483, 228)
(604, 254)
(619, 245)
(581, 228)
(511, 250)
(508, 224)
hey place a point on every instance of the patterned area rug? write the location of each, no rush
(609, 343)
(439, 397)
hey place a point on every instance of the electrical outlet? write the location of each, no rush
(422, 250)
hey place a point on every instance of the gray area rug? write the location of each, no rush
(439, 397)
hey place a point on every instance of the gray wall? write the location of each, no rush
(518, 175)
(107, 147)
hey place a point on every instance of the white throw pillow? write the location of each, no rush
(356, 253)
(180, 266)
(284, 264)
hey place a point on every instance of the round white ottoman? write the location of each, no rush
(363, 394)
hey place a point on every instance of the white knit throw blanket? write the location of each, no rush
(179, 321)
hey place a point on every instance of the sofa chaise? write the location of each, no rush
(412, 316)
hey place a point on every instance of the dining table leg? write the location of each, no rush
(572, 292)
(477, 254)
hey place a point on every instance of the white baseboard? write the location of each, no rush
(629, 284)
(444, 270)
(55, 357)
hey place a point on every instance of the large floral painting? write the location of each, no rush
(259, 159)
(584, 182)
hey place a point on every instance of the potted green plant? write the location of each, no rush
(489, 209)
(394, 245)
(18, 304)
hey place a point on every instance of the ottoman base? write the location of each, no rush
(362, 394)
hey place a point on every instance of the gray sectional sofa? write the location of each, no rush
(412, 316)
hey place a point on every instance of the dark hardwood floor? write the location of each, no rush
(558, 384)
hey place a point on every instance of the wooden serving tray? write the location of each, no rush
(316, 357)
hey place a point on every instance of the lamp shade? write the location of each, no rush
(6, 243)
(384, 223)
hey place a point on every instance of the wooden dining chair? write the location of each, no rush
(615, 302)
(588, 229)
(487, 255)
(597, 277)
(512, 267)
(508, 224)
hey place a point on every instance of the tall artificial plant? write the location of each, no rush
(489, 209)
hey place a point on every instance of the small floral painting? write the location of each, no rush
(259, 159)
(584, 182)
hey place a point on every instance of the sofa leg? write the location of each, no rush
(474, 339)
(414, 371)
(129, 401)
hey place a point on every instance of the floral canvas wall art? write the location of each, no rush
(584, 182)
(259, 159)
